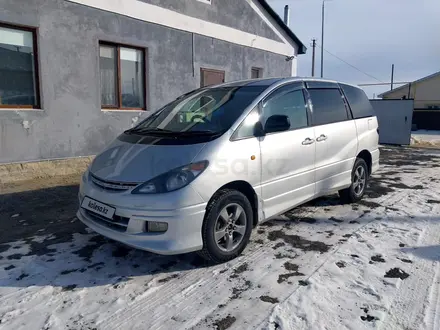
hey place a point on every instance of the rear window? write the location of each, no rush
(359, 103)
(328, 106)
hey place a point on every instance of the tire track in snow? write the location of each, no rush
(172, 292)
(162, 305)
(166, 307)
(398, 200)
(386, 201)
(432, 317)
(417, 301)
(417, 298)
(253, 319)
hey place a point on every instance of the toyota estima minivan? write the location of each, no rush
(203, 171)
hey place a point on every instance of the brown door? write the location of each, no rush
(211, 77)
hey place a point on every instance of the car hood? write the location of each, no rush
(136, 162)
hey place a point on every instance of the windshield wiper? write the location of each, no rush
(173, 134)
(196, 133)
(146, 130)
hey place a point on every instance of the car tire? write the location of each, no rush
(236, 208)
(359, 181)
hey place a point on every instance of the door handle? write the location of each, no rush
(321, 138)
(308, 141)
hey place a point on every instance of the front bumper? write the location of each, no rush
(128, 226)
(183, 234)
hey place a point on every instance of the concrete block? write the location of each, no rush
(10, 173)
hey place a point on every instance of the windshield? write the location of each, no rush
(212, 110)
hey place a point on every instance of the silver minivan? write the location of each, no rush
(200, 173)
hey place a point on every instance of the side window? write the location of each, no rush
(289, 103)
(359, 103)
(246, 128)
(18, 68)
(122, 72)
(328, 106)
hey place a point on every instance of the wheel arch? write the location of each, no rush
(246, 189)
(366, 155)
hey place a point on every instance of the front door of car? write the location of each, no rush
(288, 157)
(336, 139)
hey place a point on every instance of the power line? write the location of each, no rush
(351, 65)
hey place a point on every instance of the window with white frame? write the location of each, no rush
(18, 68)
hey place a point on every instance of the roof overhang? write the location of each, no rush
(301, 47)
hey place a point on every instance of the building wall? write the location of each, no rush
(233, 13)
(166, 17)
(425, 93)
(70, 122)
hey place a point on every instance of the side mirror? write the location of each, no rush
(277, 123)
(258, 129)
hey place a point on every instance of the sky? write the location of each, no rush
(370, 35)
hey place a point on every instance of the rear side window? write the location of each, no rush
(359, 103)
(328, 106)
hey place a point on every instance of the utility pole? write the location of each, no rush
(322, 40)
(392, 76)
(313, 56)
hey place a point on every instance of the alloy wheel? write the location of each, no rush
(359, 180)
(230, 227)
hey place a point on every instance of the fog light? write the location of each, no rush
(157, 227)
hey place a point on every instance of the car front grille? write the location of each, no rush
(117, 223)
(112, 185)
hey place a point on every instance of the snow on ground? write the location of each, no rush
(426, 138)
(371, 265)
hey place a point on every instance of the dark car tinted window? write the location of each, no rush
(212, 109)
(328, 106)
(321, 84)
(289, 103)
(359, 103)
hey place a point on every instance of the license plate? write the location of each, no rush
(98, 207)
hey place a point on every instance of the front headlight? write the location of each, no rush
(172, 180)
